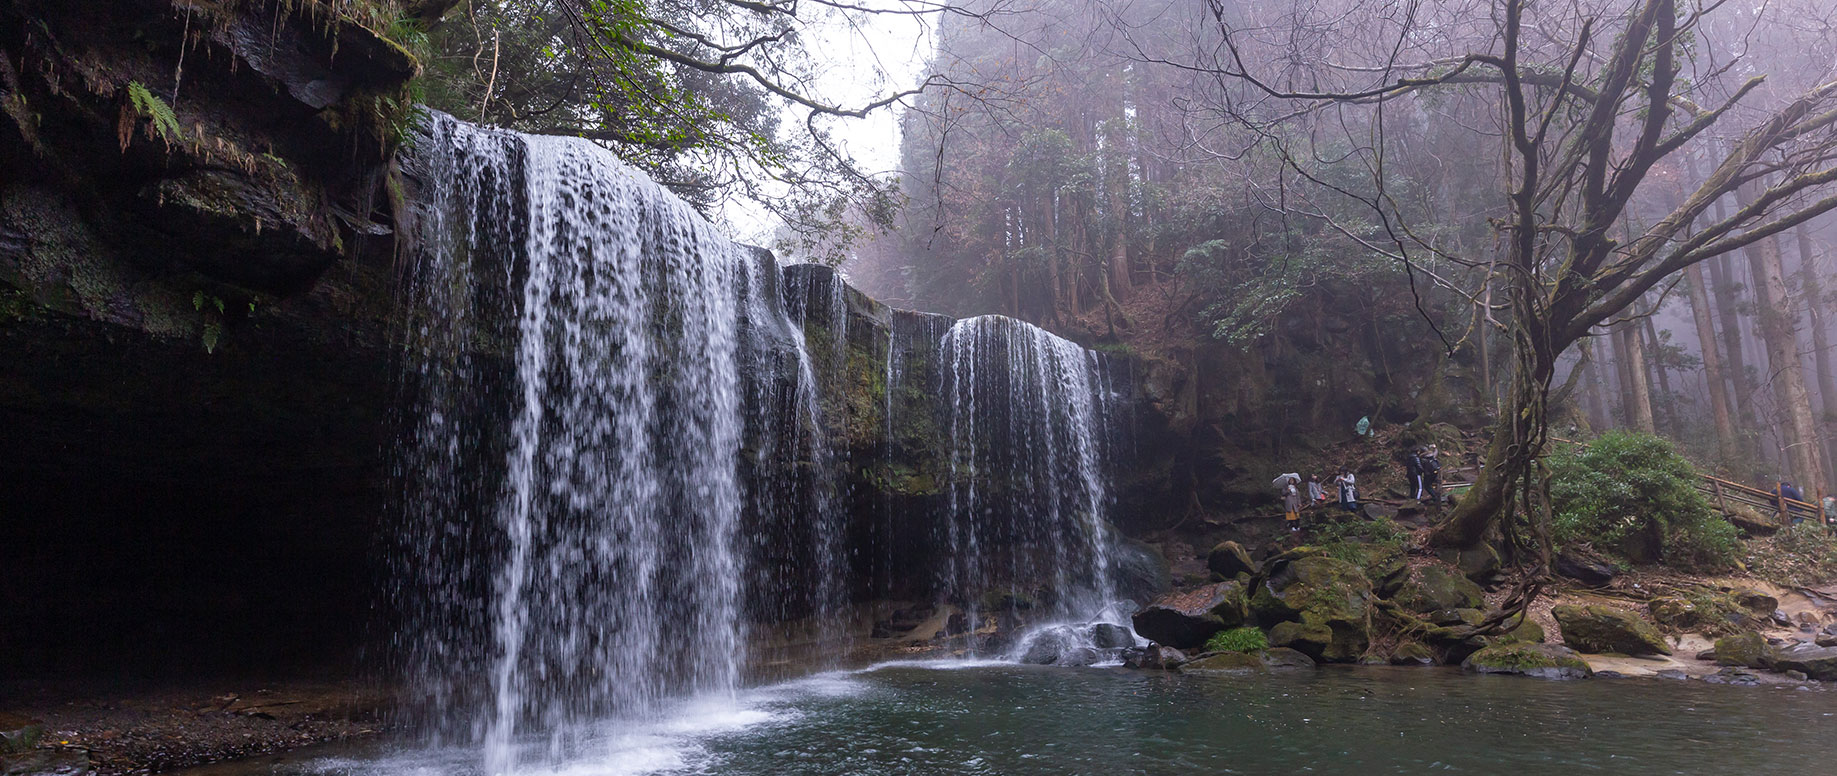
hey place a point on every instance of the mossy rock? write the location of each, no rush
(1541, 661)
(1527, 632)
(1229, 559)
(1432, 588)
(1317, 590)
(1600, 629)
(1744, 649)
(1761, 604)
(1285, 659)
(1469, 617)
(1309, 639)
(1674, 612)
(1227, 663)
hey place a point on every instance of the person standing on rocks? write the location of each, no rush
(1412, 470)
(1348, 490)
(1291, 503)
(1431, 474)
(1316, 494)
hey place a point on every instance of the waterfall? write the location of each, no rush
(588, 360)
(1028, 498)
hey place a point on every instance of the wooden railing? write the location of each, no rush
(1784, 509)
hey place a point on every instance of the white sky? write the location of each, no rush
(859, 62)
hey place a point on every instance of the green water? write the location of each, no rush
(1016, 720)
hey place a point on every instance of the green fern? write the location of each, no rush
(157, 112)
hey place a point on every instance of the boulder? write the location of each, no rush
(1826, 640)
(1457, 617)
(1744, 649)
(1141, 572)
(1761, 604)
(1229, 559)
(1674, 613)
(1412, 653)
(1598, 629)
(1227, 663)
(1105, 635)
(1186, 620)
(1478, 562)
(1542, 661)
(1284, 659)
(1527, 632)
(1819, 663)
(19, 734)
(1433, 587)
(1311, 639)
(1589, 572)
(1316, 590)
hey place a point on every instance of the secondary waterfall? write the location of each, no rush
(589, 357)
(1029, 499)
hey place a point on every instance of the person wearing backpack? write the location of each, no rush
(1431, 467)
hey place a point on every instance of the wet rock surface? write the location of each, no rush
(1542, 661)
(1185, 620)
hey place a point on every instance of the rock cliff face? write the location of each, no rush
(194, 328)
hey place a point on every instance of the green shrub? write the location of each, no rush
(1244, 639)
(1626, 486)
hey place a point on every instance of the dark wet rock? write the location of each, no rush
(1826, 640)
(1412, 653)
(1584, 570)
(1744, 649)
(1229, 559)
(1796, 675)
(1431, 588)
(46, 762)
(1153, 656)
(19, 734)
(1736, 675)
(1542, 661)
(1596, 628)
(1481, 562)
(1673, 674)
(1318, 591)
(1186, 620)
(1817, 662)
(1141, 572)
(1780, 618)
(1105, 635)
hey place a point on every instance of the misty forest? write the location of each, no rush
(930, 387)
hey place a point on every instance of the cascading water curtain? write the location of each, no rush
(1029, 492)
(578, 363)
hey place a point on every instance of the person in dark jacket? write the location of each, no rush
(1431, 474)
(1790, 491)
(1412, 470)
(1348, 490)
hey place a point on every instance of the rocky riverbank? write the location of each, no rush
(53, 728)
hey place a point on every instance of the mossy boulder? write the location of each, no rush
(1308, 638)
(1227, 663)
(1284, 659)
(1674, 612)
(1229, 559)
(1542, 661)
(1470, 617)
(1186, 619)
(1527, 632)
(1433, 587)
(1597, 629)
(1317, 590)
(1744, 649)
(1761, 604)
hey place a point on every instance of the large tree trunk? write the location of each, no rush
(1783, 370)
(1636, 391)
(1592, 394)
(1712, 365)
(1821, 354)
(1668, 407)
(1735, 365)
